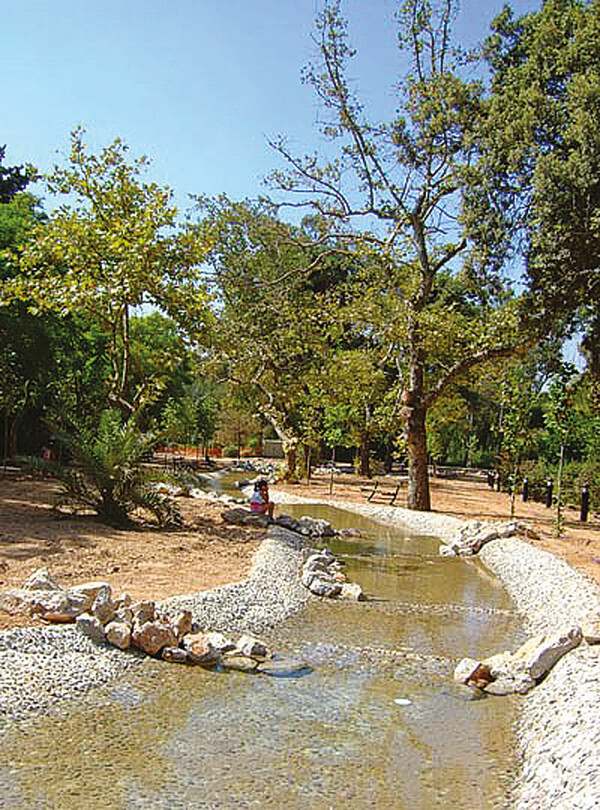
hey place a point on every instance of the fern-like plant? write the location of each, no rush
(107, 474)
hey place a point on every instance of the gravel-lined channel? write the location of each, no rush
(43, 667)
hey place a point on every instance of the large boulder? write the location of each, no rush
(472, 536)
(90, 590)
(508, 673)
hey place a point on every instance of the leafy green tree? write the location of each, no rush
(540, 170)
(13, 179)
(395, 189)
(559, 420)
(111, 247)
(273, 323)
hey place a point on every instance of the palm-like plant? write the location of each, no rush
(107, 473)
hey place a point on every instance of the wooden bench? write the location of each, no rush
(383, 491)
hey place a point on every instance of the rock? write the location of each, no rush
(472, 673)
(324, 587)
(206, 648)
(251, 646)
(183, 624)
(539, 656)
(198, 649)
(175, 655)
(103, 608)
(314, 527)
(90, 590)
(58, 606)
(118, 634)
(238, 662)
(123, 601)
(219, 642)
(41, 580)
(143, 612)
(349, 532)
(475, 534)
(447, 551)
(92, 628)
(124, 615)
(151, 637)
(352, 590)
(591, 630)
(507, 673)
(285, 668)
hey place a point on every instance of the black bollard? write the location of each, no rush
(585, 503)
(498, 481)
(549, 488)
(525, 489)
(490, 479)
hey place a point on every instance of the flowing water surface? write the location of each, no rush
(377, 723)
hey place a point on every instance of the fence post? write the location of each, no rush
(585, 503)
(549, 488)
(525, 489)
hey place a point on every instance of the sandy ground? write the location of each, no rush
(147, 563)
(152, 564)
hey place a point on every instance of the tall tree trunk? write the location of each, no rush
(365, 454)
(416, 443)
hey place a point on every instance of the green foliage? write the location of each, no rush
(13, 179)
(107, 475)
(110, 248)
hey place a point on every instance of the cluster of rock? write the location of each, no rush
(508, 673)
(122, 623)
(42, 596)
(322, 574)
(472, 536)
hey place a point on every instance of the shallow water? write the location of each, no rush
(378, 721)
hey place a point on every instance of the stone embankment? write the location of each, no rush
(558, 729)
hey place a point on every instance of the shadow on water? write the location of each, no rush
(377, 722)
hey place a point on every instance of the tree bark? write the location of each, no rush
(365, 454)
(414, 414)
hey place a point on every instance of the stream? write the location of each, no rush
(378, 722)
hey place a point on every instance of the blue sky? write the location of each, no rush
(197, 85)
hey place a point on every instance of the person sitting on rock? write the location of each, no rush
(259, 501)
